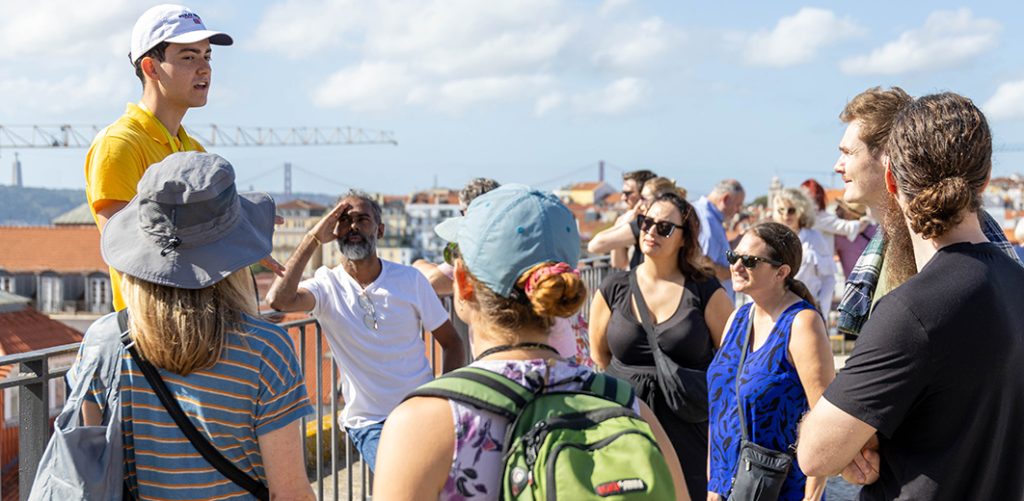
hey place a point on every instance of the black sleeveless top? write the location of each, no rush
(684, 336)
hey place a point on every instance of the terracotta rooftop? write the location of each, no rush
(28, 330)
(588, 185)
(450, 197)
(301, 204)
(62, 249)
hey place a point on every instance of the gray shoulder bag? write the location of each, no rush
(760, 471)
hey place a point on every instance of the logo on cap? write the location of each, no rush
(191, 15)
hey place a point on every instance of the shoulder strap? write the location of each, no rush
(202, 445)
(739, 371)
(611, 388)
(479, 388)
(645, 316)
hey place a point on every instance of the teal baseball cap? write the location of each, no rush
(510, 229)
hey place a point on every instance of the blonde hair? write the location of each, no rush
(551, 295)
(799, 200)
(184, 330)
(661, 185)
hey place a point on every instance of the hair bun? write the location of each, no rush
(938, 207)
(553, 290)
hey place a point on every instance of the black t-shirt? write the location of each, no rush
(939, 371)
(684, 336)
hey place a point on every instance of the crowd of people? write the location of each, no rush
(740, 402)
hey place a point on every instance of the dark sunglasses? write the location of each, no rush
(749, 262)
(451, 253)
(663, 228)
(786, 211)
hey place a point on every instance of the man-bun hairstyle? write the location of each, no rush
(940, 149)
(784, 246)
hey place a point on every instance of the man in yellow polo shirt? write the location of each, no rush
(170, 50)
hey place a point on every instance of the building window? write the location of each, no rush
(99, 288)
(7, 284)
(51, 294)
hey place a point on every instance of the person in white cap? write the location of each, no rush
(170, 51)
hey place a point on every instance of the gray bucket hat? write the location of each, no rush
(188, 227)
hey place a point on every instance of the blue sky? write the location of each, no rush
(532, 91)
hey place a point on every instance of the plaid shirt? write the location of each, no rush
(860, 285)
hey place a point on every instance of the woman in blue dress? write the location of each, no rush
(787, 368)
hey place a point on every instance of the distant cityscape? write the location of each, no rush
(49, 245)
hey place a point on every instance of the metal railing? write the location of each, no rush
(341, 475)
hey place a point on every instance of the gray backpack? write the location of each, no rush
(86, 462)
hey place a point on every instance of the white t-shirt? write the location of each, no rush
(378, 367)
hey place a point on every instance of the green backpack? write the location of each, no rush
(567, 445)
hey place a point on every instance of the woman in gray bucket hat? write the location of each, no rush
(184, 245)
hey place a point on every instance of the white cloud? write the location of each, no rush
(62, 28)
(456, 95)
(450, 55)
(637, 46)
(99, 88)
(547, 103)
(1007, 102)
(368, 86)
(297, 28)
(948, 39)
(797, 39)
(619, 97)
(610, 6)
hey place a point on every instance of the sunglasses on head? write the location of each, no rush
(748, 261)
(663, 228)
(786, 211)
(451, 253)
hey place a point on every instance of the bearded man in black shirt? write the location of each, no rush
(936, 372)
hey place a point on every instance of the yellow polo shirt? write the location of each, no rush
(118, 157)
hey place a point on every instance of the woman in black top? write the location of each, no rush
(689, 310)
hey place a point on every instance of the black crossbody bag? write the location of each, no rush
(685, 390)
(202, 445)
(760, 471)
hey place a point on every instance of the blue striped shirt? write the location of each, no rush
(256, 387)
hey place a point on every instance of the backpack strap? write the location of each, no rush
(611, 388)
(480, 388)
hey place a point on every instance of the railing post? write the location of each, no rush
(33, 423)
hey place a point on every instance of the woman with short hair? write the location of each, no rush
(818, 269)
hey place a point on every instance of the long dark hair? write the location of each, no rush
(691, 258)
(784, 245)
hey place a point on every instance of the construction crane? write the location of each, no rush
(210, 136)
(80, 136)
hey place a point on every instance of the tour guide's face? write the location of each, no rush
(358, 231)
(185, 73)
(863, 173)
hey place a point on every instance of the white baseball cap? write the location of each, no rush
(171, 23)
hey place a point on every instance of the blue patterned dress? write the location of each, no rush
(772, 396)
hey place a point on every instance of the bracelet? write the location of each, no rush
(315, 239)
